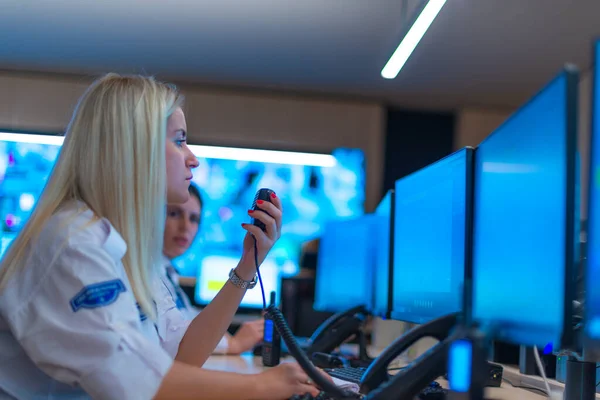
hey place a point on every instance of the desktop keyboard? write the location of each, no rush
(430, 393)
(433, 392)
(348, 374)
(307, 396)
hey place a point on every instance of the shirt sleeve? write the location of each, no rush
(80, 326)
(172, 323)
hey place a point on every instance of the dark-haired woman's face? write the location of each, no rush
(181, 227)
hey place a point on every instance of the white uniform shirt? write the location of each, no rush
(170, 280)
(70, 327)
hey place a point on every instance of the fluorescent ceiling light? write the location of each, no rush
(412, 39)
(226, 153)
(31, 138)
(267, 156)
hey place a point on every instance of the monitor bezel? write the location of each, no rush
(466, 315)
(591, 346)
(387, 313)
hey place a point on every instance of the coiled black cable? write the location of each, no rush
(294, 348)
(295, 351)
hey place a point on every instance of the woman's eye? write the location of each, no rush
(180, 142)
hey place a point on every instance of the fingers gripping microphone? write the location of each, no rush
(264, 195)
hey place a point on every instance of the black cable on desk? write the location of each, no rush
(526, 387)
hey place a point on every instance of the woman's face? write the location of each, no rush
(180, 160)
(181, 227)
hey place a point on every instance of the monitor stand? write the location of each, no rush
(362, 359)
(581, 380)
(362, 346)
(363, 356)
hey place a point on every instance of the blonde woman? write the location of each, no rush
(82, 313)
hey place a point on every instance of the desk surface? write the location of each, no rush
(249, 364)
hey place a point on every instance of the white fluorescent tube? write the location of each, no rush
(267, 156)
(226, 153)
(412, 39)
(31, 138)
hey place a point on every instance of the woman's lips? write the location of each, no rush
(180, 241)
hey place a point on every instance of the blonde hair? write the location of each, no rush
(113, 159)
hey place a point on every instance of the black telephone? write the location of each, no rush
(376, 384)
(404, 385)
(412, 379)
(336, 329)
(333, 332)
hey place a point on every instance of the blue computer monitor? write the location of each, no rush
(592, 274)
(430, 238)
(214, 273)
(384, 256)
(345, 262)
(524, 220)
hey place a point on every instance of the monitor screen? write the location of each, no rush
(345, 265)
(429, 239)
(310, 196)
(214, 273)
(383, 256)
(25, 167)
(524, 213)
(593, 231)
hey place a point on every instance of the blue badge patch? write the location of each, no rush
(98, 295)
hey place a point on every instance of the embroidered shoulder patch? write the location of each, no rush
(97, 295)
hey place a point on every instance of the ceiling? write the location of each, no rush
(477, 52)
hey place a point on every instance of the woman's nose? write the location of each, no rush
(192, 161)
(184, 225)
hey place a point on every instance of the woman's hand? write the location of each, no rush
(247, 336)
(269, 213)
(285, 381)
